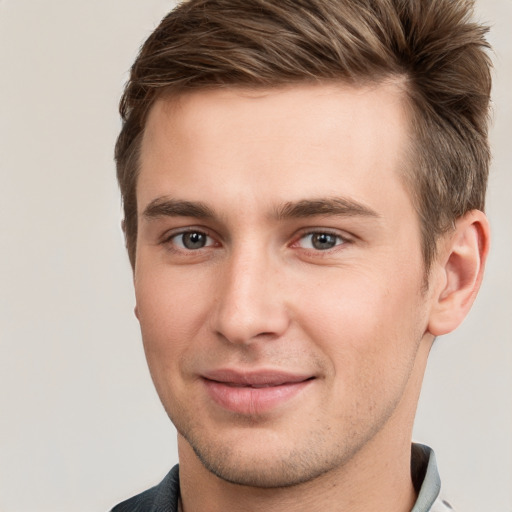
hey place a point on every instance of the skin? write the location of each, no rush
(307, 260)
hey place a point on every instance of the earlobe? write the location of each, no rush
(136, 311)
(460, 267)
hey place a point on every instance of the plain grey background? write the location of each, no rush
(80, 425)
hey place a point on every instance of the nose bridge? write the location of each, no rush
(250, 304)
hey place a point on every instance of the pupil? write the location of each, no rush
(194, 240)
(323, 241)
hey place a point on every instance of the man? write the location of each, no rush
(303, 186)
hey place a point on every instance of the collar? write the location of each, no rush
(426, 480)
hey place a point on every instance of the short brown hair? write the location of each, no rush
(432, 44)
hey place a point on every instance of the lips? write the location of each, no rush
(253, 393)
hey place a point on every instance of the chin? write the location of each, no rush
(267, 462)
(268, 472)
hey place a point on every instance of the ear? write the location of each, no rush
(123, 227)
(458, 272)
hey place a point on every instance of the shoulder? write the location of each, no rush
(142, 502)
(162, 497)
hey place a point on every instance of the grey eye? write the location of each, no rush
(192, 240)
(320, 241)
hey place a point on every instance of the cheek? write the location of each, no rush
(168, 316)
(172, 311)
(369, 338)
(366, 323)
(170, 299)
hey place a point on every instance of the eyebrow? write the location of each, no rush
(167, 207)
(329, 206)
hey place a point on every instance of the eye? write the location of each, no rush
(191, 240)
(320, 241)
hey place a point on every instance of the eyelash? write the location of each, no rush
(169, 240)
(341, 240)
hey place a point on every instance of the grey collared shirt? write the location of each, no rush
(426, 480)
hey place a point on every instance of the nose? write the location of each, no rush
(250, 303)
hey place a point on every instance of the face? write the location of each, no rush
(279, 276)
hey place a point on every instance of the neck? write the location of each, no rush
(380, 482)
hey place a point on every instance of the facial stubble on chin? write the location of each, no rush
(294, 468)
(315, 457)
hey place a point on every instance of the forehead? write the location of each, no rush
(308, 139)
